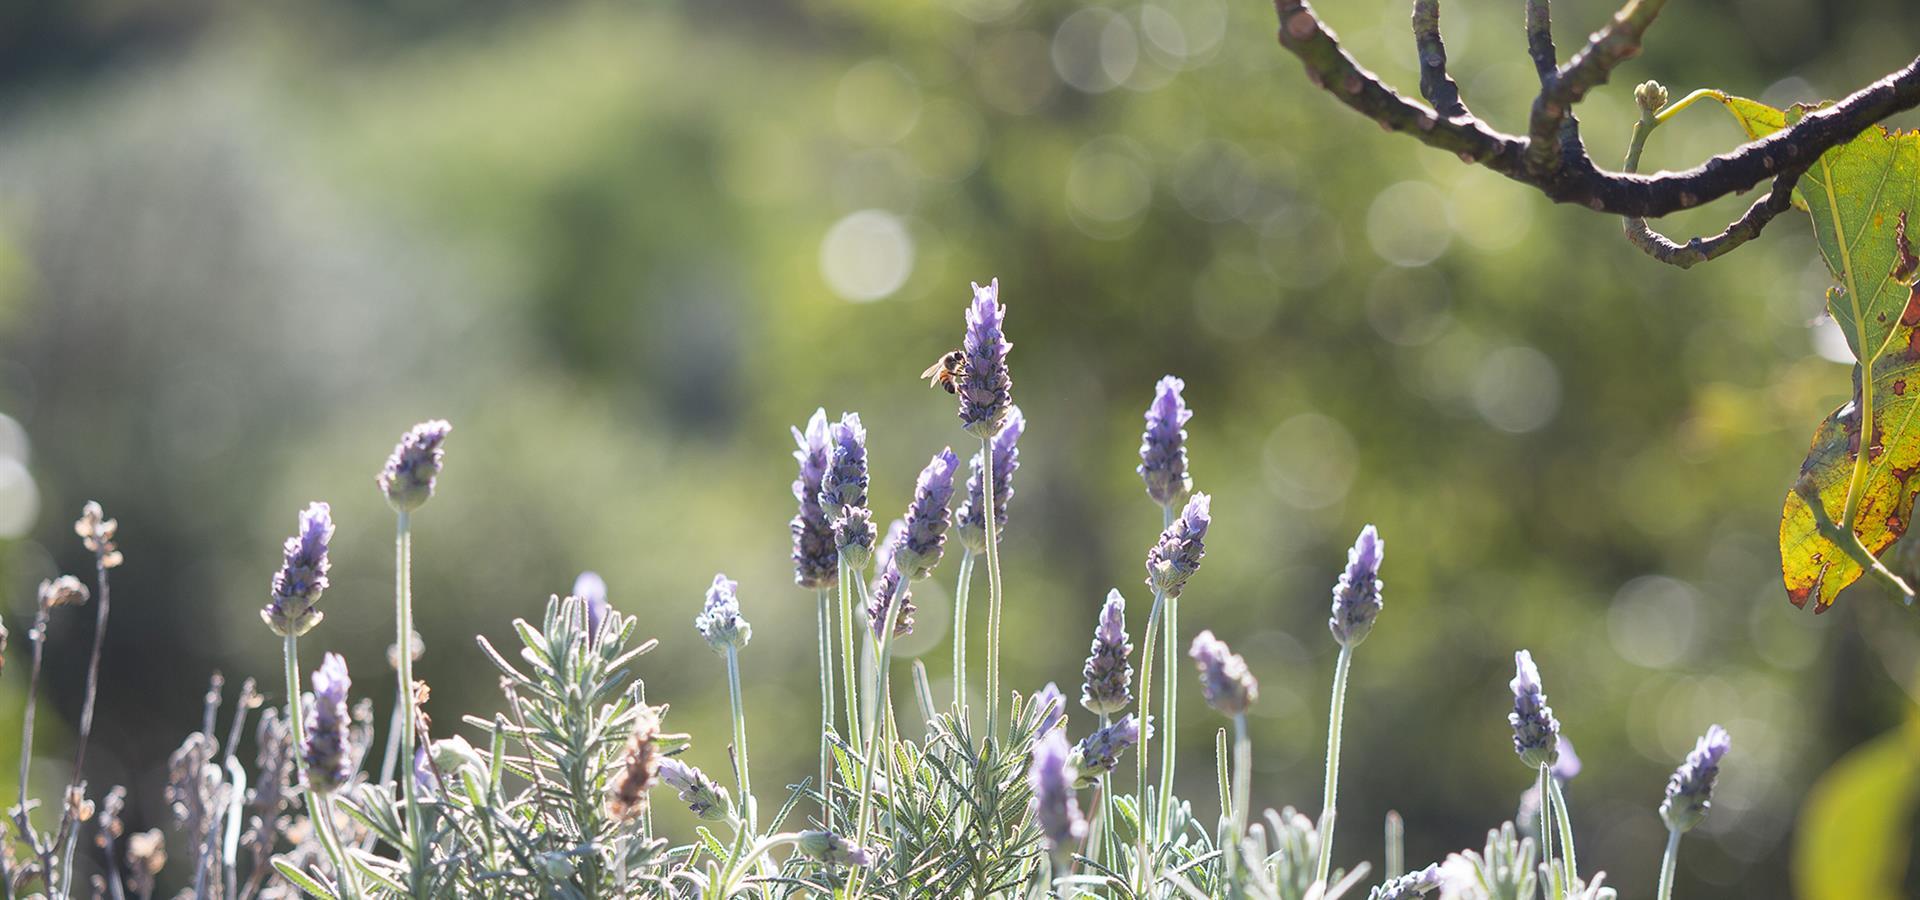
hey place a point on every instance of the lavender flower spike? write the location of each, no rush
(407, 479)
(1163, 448)
(918, 549)
(302, 577)
(591, 589)
(815, 561)
(1177, 555)
(1409, 886)
(719, 621)
(1108, 675)
(1535, 732)
(1356, 597)
(890, 586)
(970, 521)
(984, 387)
(1101, 751)
(1224, 678)
(1052, 706)
(1051, 779)
(1690, 790)
(843, 490)
(326, 746)
(833, 849)
(707, 800)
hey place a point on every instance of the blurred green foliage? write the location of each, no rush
(615, 244)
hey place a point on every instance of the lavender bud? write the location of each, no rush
(63, 591)
(815, 562)
(970, 521)
(1163, 448)
(1100, 752)
(1690, 790)
(1569, 763)
(1108, 676)
(1224, 679)
(1177, 555)
(1407, 887)
(1535, 732)
(983, 386)
(1356, 596)
(844, 482)
(303, 575)
(890, 586)
(919, 547)
(423, 772)
(833, 849)
(1053, 806)
(719, 621)
(1052, 706)
(327, 748)
(707, 800)
(591, 589)
(407, 479)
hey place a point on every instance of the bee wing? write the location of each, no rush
(933, 371)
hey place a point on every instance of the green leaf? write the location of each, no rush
(1857, 194)
(301, 879)
(1856, 830)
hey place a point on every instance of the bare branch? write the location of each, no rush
(1569, 175)
(1699, 250)
(1546, 60)
(1435, 84)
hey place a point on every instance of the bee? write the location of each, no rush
(950, 365)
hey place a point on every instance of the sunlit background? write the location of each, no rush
(624, 246)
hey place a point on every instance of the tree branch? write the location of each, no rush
(1570, 175)
(1435, 84)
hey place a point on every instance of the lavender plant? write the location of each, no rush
(553, 794)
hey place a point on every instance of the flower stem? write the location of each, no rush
(848, 670)
(1146, 701)
(37, 635)
(1556, 887)
(78, 781)
(740, 737)
(1169, 718)
(1242, 793)
(1336, 714)
(960, 592)
(1565, 818)
(1102, 826)
(992, 516)
(826, 705)
(403, 623)
(882, 657)
(1667, 863)
(319, 808)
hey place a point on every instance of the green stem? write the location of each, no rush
(960, 593)
(1099, 831)
(319, 807)
(1242, 793)
(848, 671)
(1330, 792)
(1146, 702)
(403, 622)
(826, 705)
(882, 658)
(1667, 864)
(991, 514)
(1556, 887)
(740, 738)
(1169, 717)
(1565, 818)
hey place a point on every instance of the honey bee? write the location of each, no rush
(951, 365)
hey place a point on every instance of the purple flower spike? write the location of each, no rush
(971, 521)
(1181, 547)
(1690, 790)
(1100, 751)
(326, 746)
(1568, 766)
(1052, 706)
(1535, 731)
(705, 799)
(407, 479)
(423, 772)
(303, 575)
(984, 387)
(1356, 597)
(1409, 886)
(890, 586)
(1108, 676)
(1224, 679)
(719, 620)
(1163, 448)
(843, 490)
(815, 561)
(919, 547)
(1051, 779)
(833, 849)
(592, 590)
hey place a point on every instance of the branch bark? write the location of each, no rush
(1550, 157)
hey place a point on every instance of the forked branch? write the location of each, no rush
(1550, 157)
